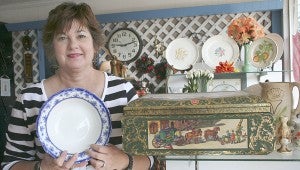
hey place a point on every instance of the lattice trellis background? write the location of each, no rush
(197, 28)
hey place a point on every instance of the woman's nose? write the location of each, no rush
(73, 43)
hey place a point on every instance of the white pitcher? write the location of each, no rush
(280, 95)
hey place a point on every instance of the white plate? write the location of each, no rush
(182, 53)
(279, 42)
(263, 52)
(218, 49)
(72, 120)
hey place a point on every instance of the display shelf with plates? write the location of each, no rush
(222, 81)
(264, 55)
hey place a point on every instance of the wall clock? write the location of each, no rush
(125, 44)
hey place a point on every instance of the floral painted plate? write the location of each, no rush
(182, 53)
(263, 52)
(72, 120)
(219, 48)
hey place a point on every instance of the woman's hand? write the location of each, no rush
(107, 157)
(58, 164)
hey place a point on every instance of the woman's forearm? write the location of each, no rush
(141, 163)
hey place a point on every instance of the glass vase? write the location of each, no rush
(202, 85)
(247, 67)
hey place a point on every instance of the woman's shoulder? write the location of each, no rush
(31, 92)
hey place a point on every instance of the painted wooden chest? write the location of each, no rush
(198, 123)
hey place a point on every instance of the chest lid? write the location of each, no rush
(197, 103)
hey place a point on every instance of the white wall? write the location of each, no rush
(35, 10)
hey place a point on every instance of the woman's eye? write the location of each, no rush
(62, 38)
(81, 36)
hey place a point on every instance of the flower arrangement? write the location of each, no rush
(144, 64)
(244, 30)
(160, 70)
(195, 77)
(225, 67)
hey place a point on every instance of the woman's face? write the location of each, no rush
(74, 49)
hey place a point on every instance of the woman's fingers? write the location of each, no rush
(97, 148)
(97, 163)
(61, 163)
(81, 164)
(69, 164)
(61, 159)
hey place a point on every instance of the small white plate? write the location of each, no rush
(182, 53)
(279, 42)
(219, 48)
(263, 52)
(72, 120)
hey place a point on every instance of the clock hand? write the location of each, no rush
(130, 43)
(123, 45)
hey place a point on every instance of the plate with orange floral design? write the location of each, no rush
(219, 48)
(263, 52)
(279, 42)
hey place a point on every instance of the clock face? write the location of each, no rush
(125, 44)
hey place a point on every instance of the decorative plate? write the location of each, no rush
(279, 42)
(219, 48)
(263, 52)
(72, 120)
(181, 53)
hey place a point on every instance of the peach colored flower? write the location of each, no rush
(244, 30)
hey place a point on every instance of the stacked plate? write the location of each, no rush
(279, 44)
(72, 120)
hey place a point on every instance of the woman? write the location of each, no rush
(72, 38)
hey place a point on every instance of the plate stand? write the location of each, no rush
(174, 70)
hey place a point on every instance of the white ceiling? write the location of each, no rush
(15, 11)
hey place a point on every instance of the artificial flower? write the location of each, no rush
(160, 70)
(194, 77)
(145, 64)
(244, 30)
(225, 67)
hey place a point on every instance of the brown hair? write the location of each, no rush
(60, 20)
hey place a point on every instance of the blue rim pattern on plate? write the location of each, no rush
(41, 123)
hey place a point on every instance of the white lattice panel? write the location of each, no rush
(166, 31)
